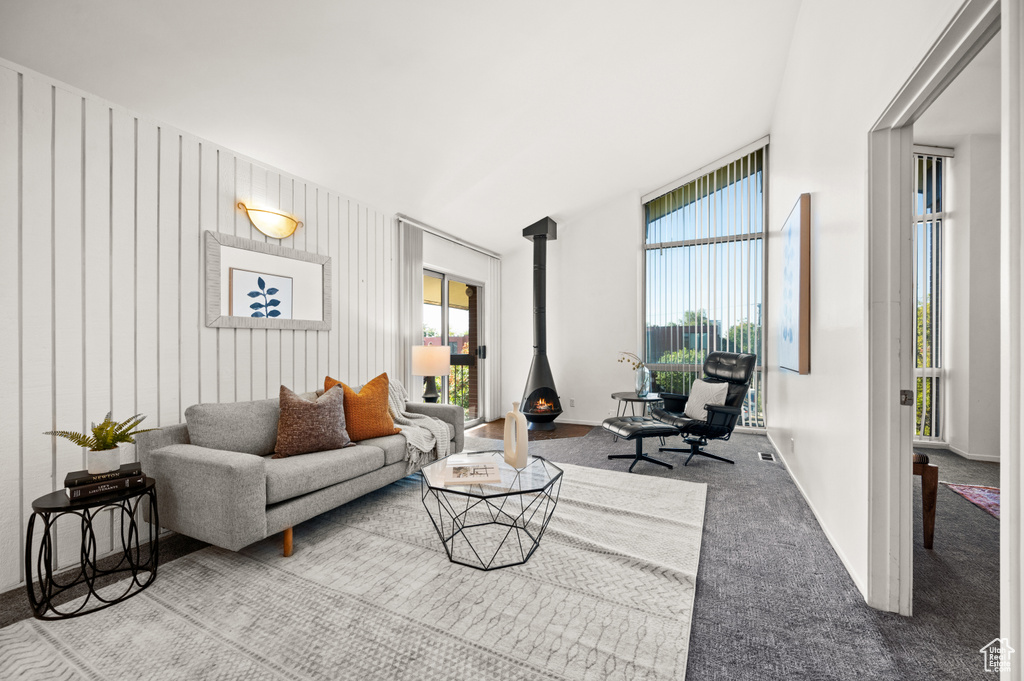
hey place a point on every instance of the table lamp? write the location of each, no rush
(429, 361)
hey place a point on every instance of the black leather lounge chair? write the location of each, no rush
(719, 367)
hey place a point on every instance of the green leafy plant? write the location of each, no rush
(106, 435)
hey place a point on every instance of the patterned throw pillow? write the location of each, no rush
(702, 394)
(315, 425)
(366, 411)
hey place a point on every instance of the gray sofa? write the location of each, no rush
(221, 486)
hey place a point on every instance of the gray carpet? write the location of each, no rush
(775, 602)
(370, 594)
(14, 605)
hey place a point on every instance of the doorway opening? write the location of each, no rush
(451, 316)
(892, 355)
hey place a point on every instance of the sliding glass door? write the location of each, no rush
(451, 316)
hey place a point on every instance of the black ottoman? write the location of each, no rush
(637, 428)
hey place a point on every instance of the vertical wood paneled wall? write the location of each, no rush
(102, 291)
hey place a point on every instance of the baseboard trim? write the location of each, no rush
(580, 422)
(861, 586)
(959, 452)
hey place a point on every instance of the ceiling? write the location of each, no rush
(969, 106)
(476, 117)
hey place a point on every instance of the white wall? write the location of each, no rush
(592, 305)
(101, 262)
(847, 61)
(971, 328)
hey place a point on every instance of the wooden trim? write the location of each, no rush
(929, 150)
(705, 169)
(889, 273)
(965, 36)
(1011, 341)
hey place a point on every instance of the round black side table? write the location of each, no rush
(138, 561)
(631, 399)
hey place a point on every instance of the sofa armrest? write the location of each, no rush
(449, 413)
(147, 443)
(217, 496)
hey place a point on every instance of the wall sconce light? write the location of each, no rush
(276, 225)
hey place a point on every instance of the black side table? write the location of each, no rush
(631, 399)
(138, 562)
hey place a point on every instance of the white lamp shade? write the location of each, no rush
(431, 360)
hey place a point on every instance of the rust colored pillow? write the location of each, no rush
(366, 411)
(311, 425)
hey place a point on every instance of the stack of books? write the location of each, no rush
(83, 484)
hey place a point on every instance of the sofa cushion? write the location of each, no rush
(315, 425)
(297, 475)
(395, 446)
(249, 427)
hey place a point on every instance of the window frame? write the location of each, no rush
(940, 221)
(704, 171)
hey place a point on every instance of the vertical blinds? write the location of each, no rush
(929, 215)
(704, 276)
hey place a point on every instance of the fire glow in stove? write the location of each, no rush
(540, 402)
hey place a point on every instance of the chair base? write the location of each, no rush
(639, 456)
(695, 450)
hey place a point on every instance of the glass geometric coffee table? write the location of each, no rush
(492, 525)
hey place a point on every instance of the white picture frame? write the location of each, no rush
(311, 282)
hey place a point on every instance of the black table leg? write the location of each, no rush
(142, 572)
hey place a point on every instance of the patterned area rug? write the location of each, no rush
(370, 594)
(985, 498)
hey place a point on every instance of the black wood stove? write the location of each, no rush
(540, 402)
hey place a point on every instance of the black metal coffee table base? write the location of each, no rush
(497, 525)
(137, 560)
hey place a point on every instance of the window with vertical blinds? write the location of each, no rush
(704, 276)
(930, 213)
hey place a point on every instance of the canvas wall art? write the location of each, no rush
(259, 294)
(795, 313)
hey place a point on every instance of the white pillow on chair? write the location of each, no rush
(702, 394)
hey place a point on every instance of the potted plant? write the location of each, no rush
(643, 374)
(104, 455)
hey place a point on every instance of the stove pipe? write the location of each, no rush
(540, 386)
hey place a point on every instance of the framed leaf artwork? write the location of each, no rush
(795, 315)
(259, 295)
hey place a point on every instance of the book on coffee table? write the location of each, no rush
(467, 472)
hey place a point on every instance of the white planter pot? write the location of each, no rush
(104, 461)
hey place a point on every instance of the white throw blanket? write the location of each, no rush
(424, 434)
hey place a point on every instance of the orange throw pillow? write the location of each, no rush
(366, 411)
